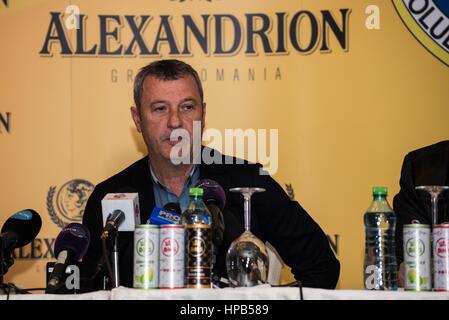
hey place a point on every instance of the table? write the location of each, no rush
(263, 292)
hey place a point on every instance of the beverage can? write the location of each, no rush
(146, 256)
(417, 261)
(440, 241)
(171, 256)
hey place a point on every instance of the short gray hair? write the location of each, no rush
(170, 69)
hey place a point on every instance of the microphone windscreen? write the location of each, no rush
(173, 207)
(212, 192)
(74, 237)
(118, 216)
(164, 216)
(26, 224)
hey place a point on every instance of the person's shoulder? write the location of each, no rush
(235, 171)
(430, 151)
(125, 180)
(215, 160)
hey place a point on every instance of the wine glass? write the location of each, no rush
(434, 192)
(247, 257)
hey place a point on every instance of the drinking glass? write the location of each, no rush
(434, 192)
(247, 257)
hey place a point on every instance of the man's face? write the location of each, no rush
(164, 107)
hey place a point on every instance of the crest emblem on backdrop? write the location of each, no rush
(428, 21)
(66, 204)
(290, 191)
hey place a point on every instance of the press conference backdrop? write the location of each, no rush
(351, 87)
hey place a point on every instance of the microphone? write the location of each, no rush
(169, 214)
(120, 212)
(229, 227)
(114, 220)
(215, 199)
(70, 246)
(173, 207)
(213, 193)
(19, 230)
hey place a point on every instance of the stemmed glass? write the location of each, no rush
(434, 192)
(247, 257)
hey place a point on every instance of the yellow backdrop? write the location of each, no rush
(347, 109)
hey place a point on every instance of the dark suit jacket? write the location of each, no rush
(275, 218)
(425, 166)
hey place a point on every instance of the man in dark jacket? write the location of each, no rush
(428, 166)
(169, 96)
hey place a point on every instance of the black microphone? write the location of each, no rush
(113, 221)
(225, 226)
(169, 214)
(215, 199)
(70, 246)
(19, 230)
(173, 207)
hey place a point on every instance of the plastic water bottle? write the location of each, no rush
(380, 267)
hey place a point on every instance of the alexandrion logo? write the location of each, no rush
(428, 21)
(221, 34)
(67, 204)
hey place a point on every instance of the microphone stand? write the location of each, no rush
(115, 267)
(113, 270)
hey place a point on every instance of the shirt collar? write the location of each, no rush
(157, 181)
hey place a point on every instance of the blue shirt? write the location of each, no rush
(163, 195)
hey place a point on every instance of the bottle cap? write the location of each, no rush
(197, 192)
(380, 191)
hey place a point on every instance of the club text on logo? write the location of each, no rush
(432, 20)
(428, 21)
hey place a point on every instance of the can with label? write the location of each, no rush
(146, 256)
(441, 257)
(417, 261)
(171, 256)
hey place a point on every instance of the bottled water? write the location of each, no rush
(380, 266)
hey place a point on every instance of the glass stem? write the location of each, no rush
(434, 199)
(247, 213)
